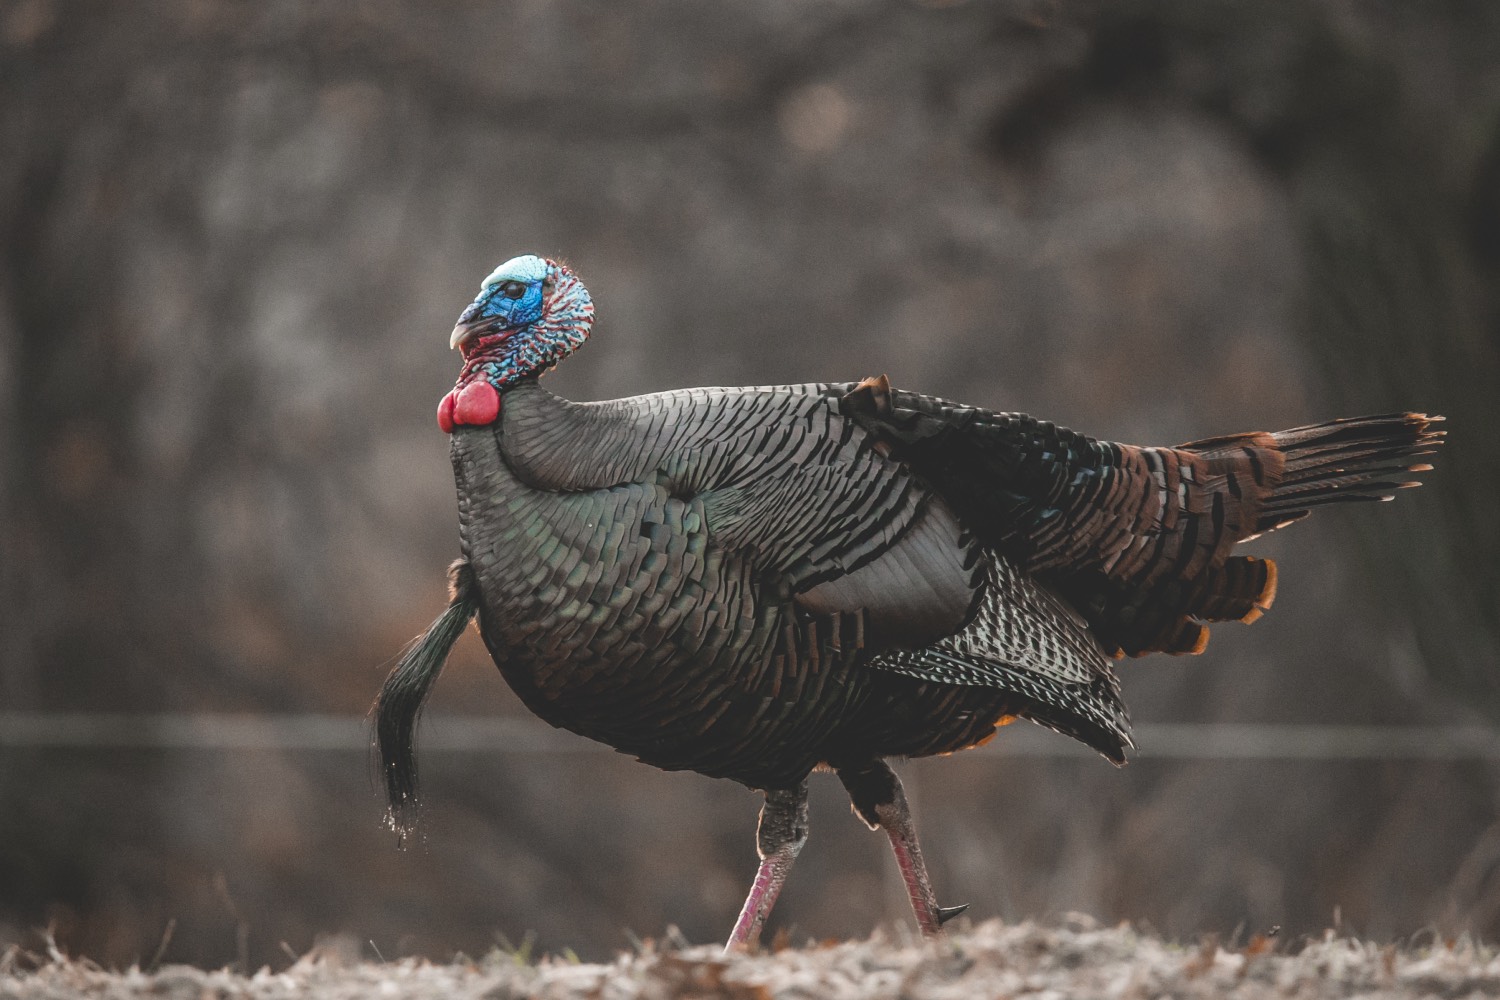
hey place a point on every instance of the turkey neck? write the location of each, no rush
(551, 443)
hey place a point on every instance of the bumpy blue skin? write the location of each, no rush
(533, 341)
(509, 313)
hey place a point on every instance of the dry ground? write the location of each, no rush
(1075, 959)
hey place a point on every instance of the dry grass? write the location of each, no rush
(1074, 959)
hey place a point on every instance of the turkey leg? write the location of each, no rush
(880, 801)
(778, 839)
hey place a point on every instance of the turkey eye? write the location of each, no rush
(513, 289)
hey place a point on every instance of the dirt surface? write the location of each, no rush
(993, 959)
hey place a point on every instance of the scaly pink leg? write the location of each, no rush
(880, 801)
(778, 839)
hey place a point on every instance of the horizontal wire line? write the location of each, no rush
(518, 735)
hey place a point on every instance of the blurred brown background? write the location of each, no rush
(233, 237)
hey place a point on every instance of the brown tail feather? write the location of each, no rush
(1277, 478)
(1139, 540)
(1355, 459)
(1242, 589)
(1188, 637)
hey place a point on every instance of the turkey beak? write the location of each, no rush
(472, 326)
(464, 332)
(466, 328)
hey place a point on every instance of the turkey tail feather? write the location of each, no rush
(1139, 540)
(1354, 459)
(405, 691)
(1241, 589)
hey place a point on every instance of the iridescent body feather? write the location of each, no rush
(754, 583)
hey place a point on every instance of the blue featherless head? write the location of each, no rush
(530, 313)
(511, 297)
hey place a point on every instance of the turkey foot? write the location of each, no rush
(778, 839)
(879, 800)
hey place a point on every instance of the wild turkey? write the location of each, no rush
(758, 583)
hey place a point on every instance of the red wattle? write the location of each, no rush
(477, 404)
(445, 412)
